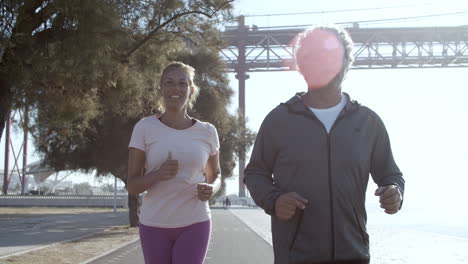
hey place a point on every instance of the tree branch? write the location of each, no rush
(51, 35)
(43, 15)
(159, 27)
(180, 34)
(25, 15)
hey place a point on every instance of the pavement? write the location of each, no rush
(243, 235)
(24, 232)
(232, 242)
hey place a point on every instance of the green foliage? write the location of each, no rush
(88, 70)
(108, 187)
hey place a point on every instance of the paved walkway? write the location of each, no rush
(232, 242)
(241, 236)
(24, 232)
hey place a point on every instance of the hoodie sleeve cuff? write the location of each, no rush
(269, 207)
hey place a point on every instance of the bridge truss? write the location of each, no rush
(254, 49)
(268, 49)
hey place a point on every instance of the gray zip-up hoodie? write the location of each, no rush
(294, 153)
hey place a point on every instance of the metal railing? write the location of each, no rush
(63, 201)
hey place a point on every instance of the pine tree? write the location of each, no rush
(88, 72)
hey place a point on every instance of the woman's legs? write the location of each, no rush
(156, 244)
(183, 245)
(192, 244)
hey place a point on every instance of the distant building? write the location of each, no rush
(14, 187)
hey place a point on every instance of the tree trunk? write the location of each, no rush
(5, 103)
(133, 209)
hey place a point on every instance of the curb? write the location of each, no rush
(255, 231)
(110, 251)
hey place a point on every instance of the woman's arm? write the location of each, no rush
(213, 179)
(213, 172)
(137, 180)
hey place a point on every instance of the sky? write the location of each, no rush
(424, 110)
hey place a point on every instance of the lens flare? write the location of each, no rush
(319, 56)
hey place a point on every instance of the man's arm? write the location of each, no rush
(385, 172)
(258, 173)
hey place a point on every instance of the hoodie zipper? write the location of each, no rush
(330, 186)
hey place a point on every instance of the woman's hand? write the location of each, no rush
(207, 190)
(168, 169)
(204, 191)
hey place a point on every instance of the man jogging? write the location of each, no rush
(312, 158)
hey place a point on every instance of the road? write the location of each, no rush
(24, 232)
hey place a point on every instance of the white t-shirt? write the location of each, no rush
(173, 203)
(328, 115)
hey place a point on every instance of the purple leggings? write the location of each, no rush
(182, 245)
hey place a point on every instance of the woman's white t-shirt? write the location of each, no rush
(174, 203)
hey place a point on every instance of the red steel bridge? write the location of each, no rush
(262, 49)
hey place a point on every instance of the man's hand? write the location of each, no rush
(286, 204)
(204, 191)
(390, 198)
